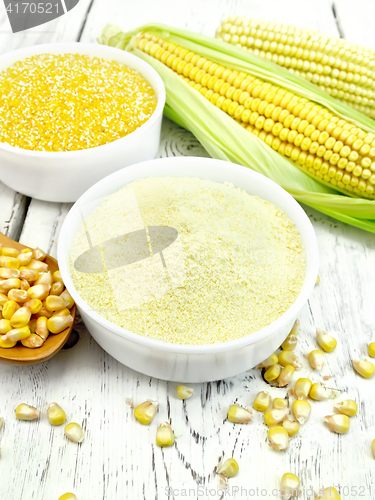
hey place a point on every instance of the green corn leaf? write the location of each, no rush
(225, 139)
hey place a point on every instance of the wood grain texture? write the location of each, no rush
(118, 459)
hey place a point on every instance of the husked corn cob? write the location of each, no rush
(315, 139)
(343, 69)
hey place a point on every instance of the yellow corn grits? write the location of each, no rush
(69, 102)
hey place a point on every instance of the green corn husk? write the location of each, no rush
(226, 140)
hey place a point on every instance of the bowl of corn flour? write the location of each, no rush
(188, 269)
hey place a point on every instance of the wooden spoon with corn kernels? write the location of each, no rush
(20, 355)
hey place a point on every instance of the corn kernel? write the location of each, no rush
(44, 278)
(33, 341)
(347, 407)
(279, 438)
(280, 404)
(291, 427)
(289, 358)
(7, 344)
(20, 318)
(68, 496)
(329, 493)
(55, 303)
(7, 272)
(320, 393)
(7, 284)
(57, 323)
(301, 411)
(11, 262)
(25, 258)
(275, 416)
(285, 376)
(371, 350)
(26, 412)
(325, 341)
(56, 415)
(338, 423)
(363, 367)
(239, 415)
(184, 391)
(373, 447)
(39, 292)
(74, 432)
(17, 295)
(5, 326)
(146, 412)
(9, 252)
(302, 388)
(57, 288)
(262, 401)
(17, 334)
(289, 343)
(316, 359)
(164, 435)
(39, 254)
(272, 360)
(229, 468)
(289, 486)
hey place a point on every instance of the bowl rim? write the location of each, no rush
(159, 345)
(70, 47)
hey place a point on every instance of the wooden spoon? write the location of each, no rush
(20, 355)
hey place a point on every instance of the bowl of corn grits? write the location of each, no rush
(72, 113)
(188, 269)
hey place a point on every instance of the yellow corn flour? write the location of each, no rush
(237, 264)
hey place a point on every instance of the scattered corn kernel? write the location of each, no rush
(275, 416)
(302, 388)
(363, 367)
(229, 468)
(280, 403)
(316, 359)
(338, 423)
(301, 411)
(290, 343)
(56, 415)
(371, 350)
(74, 432)
(270, 361)
(164, 435)
(289, 486)
(239, 415)
(347, 407)
(26, 412)
(325, 341)
(291, 427)
(279, 438)
(295, 328)
(289, 358)
(285, 376)
(184, 391)
(68, 496)
(272, 373)
(262, 401)
(329, 493)
(146, 412)
(320, 393)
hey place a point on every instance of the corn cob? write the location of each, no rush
(342, 69)
(326, 146)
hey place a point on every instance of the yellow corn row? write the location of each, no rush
(323, 144)
(343, 69)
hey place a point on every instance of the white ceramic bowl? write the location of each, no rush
(184, 363)
(64, 176)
